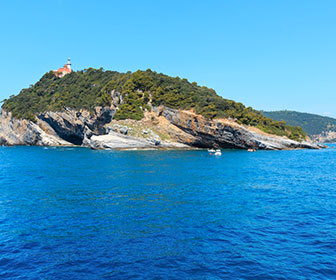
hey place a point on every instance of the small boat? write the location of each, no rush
(251, 150)
(218, 153)
(211, 151)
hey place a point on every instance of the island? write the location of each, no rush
(104, 109)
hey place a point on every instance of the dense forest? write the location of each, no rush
(140, 90)
(312, 124)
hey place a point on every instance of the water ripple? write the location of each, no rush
(83, 214)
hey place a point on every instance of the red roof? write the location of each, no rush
(64, 69)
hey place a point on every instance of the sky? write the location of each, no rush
(270, 55)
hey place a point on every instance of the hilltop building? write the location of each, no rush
(66, 69)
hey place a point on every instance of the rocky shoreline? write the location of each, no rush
(162, 128)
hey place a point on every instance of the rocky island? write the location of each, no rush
(111, 110)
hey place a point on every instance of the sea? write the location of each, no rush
(76, 213)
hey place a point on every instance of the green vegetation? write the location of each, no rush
(77, 90)
(312, 124)
(92, 87)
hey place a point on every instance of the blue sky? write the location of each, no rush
(267, 54)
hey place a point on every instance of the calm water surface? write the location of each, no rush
(74, 213)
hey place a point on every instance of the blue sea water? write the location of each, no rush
(75, 213)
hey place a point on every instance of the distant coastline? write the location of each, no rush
(320, 129)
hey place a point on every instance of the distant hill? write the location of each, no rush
(312, 124)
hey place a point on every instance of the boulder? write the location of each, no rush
(123, 130)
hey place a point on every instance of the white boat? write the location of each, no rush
(211, 151)
(218, 153)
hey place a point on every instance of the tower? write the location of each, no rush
(66, 69)
(69, 64)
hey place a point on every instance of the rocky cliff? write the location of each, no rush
(225, 133)
(68, 127)
(163, 127)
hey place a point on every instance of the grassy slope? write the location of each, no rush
(92, 87)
